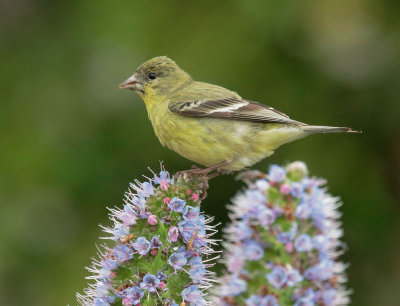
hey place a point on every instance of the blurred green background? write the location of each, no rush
(71, 140)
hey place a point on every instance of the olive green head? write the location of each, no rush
(159, 75)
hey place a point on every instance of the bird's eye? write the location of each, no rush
(152, 75)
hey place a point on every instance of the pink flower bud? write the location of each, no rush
(161, 285)
(164, 185)
(289, 247)
(173, 233)
(154, 252)
(126, 302)
(188, 191)
(284, 189)
(152, 220)
(194, 197)
(166, 200)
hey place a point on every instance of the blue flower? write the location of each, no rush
(330, 296)
(243, 231)
(193, 295)
(304, 302)
(277, 277)
(322, 243)
(294, 277)
(155, 242)
(134, 294)
(122, 252)
(192, 213)
(177, 205)
(253, 300)
(269, 300)
(321, 271)
(197, 270)
(177, 260)
(303, 211)
(150, 282)
(120, 231)
(276, 174)
(147, 190)
(142, 245)
(235, 287)
(296, 189)
(266, 217)
(189, 228)
(253, 251)
(303, 243)
(161, 275)
(164, 177)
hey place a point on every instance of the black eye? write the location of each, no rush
(152, 75)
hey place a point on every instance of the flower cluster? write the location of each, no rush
(161, 248)
(283, 242)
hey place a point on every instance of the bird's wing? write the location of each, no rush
(231, 108)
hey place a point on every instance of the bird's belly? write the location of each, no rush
(211, 141)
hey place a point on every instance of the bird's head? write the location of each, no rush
(159, 75)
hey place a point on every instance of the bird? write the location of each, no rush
(211, 125)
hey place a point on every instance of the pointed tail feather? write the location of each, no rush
(328, 129)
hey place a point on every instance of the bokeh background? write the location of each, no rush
(71, 140)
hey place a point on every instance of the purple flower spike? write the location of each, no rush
(142, 245)
(150, 282)
(290, 220)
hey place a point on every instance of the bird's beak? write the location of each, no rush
(131, 83)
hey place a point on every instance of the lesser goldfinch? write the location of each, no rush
(209, 124)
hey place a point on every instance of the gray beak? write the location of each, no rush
(131, 83)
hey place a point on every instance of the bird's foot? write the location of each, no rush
(205, 175)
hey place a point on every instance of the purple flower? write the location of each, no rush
(128, 216)
(177, 205)
(296, 190)
(155, 242)
(276, 174)
(254, 300)
(322, 243)
(330, 297)
(266, 217)
(321, 271)
(269, 300)
(150, 282)
(142, 245)
(134, 294)
(177, 260)
(262, 185)
(197, 270)
(193, 295)
(122, 252)
(303, 243)
(147, 190)
(163, 179)
(304, 302)
(294, 277)
(173, 234)
(243, 231)
(192, 213)
(120, 231)
(235, 287)
(277, 277)
(303, 211)
(161, 275)
(253, 251)
(190, 228)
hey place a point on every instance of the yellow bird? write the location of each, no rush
(209, 124)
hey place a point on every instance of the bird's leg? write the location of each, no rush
(205, 174)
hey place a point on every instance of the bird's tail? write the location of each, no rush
(328, 129)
